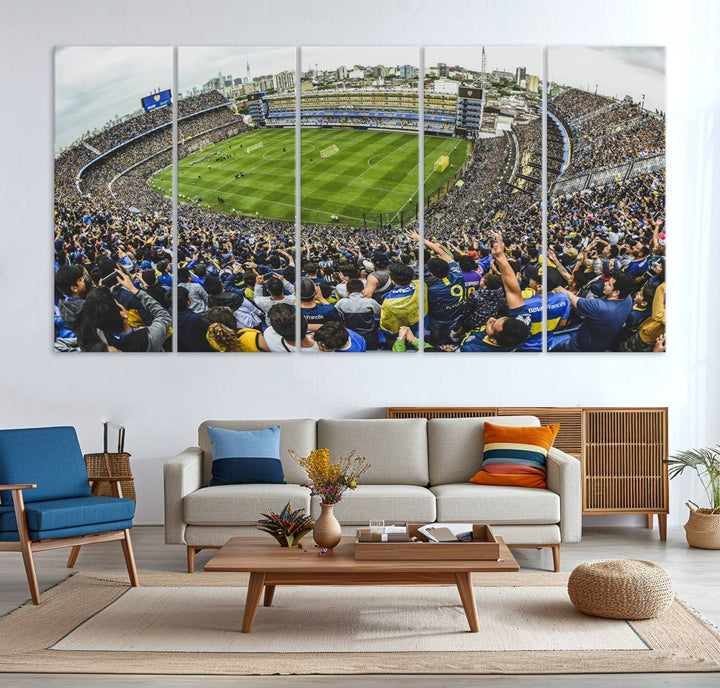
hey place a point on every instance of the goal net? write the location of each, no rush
(330, 150)
(441, 163)
(255, 146)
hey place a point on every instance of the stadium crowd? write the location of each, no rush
(610, 135)
(359, 289)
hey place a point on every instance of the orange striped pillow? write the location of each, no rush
(515, 456)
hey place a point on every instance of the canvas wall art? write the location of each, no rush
(374, 199)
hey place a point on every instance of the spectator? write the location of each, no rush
(192, 327)
(199, 300)
(602, 318)
(106, 320)
(508, 332)
(360, 314)
(334, 336)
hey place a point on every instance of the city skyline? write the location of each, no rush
(198, 64)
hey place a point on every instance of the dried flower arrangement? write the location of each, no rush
(329, 480)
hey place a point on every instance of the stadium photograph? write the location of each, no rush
(369, 222)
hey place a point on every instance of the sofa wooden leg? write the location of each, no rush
(556, 558)
(191, 559)
(129, 559)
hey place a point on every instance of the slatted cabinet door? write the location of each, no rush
(623, 466)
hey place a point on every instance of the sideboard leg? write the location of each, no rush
(662, 523)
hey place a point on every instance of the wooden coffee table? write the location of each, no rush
(270, 565)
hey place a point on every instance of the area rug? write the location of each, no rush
(189, 624)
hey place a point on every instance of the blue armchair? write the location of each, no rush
(45, 500)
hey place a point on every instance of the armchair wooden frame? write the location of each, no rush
(26, 546)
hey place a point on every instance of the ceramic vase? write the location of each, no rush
(326, 532)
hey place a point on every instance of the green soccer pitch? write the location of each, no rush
(372, 172)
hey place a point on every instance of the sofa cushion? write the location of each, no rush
(515, 456)
(295, 433)
(245, 456)
(496, 504)
(546, 534)
(51, 458)
(396, 449)
(227, 505)
(455, 445)
(382, 502)
(89, 514)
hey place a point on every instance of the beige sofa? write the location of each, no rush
(419, 472)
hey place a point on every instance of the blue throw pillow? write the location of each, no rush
(241, 457)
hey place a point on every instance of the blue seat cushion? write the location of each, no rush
(59, 515)
(76, 531)
(51, 458)
(241, 457)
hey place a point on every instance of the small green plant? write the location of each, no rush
(706, 463)
(288, 527)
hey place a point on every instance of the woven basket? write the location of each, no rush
(109, 466)
(621, 589)
(703, 527)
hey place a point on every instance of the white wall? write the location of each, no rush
(161, 399)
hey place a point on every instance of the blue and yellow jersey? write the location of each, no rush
(558, 308)
(637, 315)
(637, 268)
(400, 307)
(446, 295)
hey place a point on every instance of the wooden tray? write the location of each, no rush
(483, 547)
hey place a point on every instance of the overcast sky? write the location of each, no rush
(93, 84)
(617, 72)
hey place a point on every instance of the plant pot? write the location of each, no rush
(703, 527)
(327, 532)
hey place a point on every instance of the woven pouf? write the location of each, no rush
(621, 589)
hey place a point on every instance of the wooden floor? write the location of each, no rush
(696, 574)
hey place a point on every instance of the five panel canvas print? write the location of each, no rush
(376, 199)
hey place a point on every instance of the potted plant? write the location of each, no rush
(703, 527)
(288, 527)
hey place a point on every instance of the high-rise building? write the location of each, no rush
(407, 72)
(284, 81)
(499, 75)
(533, 84)
(520, 73)
(342, 73)
(442, 70)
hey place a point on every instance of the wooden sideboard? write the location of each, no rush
(622, 451)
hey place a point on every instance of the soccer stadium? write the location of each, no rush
(359, 210)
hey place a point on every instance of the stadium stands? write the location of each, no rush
(605, 164)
